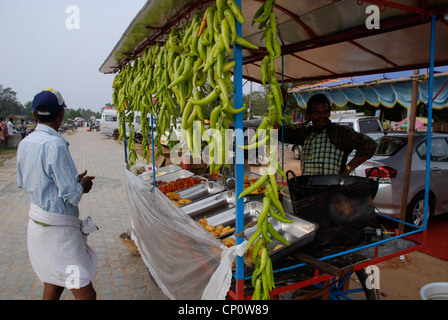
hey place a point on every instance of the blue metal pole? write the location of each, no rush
(124, 142)
(283, 122)
(430, 98)
(152, 143)
(239, 163)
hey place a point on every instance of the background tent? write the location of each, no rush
(380, 92)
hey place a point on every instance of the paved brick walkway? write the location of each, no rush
(120, 275)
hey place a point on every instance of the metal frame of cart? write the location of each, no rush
(369, 254)
(237, 291)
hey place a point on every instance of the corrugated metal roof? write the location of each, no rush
(321, 39)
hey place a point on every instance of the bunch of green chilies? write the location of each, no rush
(262, 276)
(169, 82)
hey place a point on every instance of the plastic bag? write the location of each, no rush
(183, 258)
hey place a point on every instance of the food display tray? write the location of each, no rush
(299, 233)
(166, 170)
(227, 217)
(201, 191)
(148, 174)
(176, 175)
(211, 205)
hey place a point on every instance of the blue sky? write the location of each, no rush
(38, 51)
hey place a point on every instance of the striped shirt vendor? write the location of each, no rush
(326, 145)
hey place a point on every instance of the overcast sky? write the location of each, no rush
(38, 51)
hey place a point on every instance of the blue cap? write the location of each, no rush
(50, 98)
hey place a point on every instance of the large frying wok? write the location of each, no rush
(342, 205)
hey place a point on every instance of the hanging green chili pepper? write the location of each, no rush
(236, 11)
(206, 100)
(264, 211)
(243, 42)
(277, 236)
(231, 22)
(257, 184)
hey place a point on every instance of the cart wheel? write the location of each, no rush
(338, 291)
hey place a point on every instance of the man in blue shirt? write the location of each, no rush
(57, 238)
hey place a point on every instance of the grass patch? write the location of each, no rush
(6, 154)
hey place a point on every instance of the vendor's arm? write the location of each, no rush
(363, 145)
(292, 135)
(354, 163)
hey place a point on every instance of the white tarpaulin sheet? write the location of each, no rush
(184, 259)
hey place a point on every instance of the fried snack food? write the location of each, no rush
(248, 182)
(180, 184)
(229, 242)
(182, 202)
(172, 196)
(216, 231)
(176, 199)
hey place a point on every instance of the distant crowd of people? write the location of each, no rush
(9, 128)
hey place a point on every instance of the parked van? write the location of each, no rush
(110, 123)
(363, 124)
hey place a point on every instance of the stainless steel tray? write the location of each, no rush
(299, 233)
(165, 170)
(148, 175)
(227, 218)
(211, 205)
(176, 175)
(201, 191)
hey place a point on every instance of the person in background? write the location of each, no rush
(22, 128)
(326, 145)
(4, 130)
(57, 238)
(11, 126)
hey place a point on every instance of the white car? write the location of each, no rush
(390, 158)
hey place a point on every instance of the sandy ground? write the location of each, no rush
(401, 278)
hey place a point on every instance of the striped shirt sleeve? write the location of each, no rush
(62, 170)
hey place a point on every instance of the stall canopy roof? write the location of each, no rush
(321, 39)
(379, 92)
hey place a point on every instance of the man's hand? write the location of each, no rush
(354, 163)
(86, 181)
(82, 175)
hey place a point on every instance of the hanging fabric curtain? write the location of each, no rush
(387, 93)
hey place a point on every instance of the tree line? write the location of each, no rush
(10, 107)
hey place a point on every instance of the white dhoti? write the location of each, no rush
(59, 252)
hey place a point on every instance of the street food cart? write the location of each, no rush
(312, 41)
